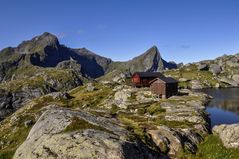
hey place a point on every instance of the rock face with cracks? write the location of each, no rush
(47, 139)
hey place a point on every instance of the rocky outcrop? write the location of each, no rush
(229, 134)
(196, 84)
(90, 87)
(236, 78)
(203, 67)
(215, 69)
(102, 139)
(173, 141)
(120, 78)
(188, 109)
(69, 64)
(16, 92)
(121, 98)
(231, 82)
(126, 96)
(11, 101)
(220, 72)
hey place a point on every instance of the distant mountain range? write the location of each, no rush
(46, 51)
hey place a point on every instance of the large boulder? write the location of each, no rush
(96, 137)
(195, 84)
(11, 101)
(120, 78)
(234, 59)
(233, 62)
(121, 98)
(90, 87)
(202, 67)
(69, 64)
(229, 134)
(236, 78)
(229, 81)
(215, 69)
(175, 140)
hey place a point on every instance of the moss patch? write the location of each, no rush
(137, 128)
(92, 99)
(155, 109)
(80, 124)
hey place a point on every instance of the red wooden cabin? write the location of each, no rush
(142, 79)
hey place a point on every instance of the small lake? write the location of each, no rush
(224, 107)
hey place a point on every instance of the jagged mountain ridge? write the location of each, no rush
(150, 61)
(46, 51)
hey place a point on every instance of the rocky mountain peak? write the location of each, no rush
(150, 61)
(48, 39)
(150, 53)
(38, 43)
(153, 49)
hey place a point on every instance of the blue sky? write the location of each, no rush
(184, 30)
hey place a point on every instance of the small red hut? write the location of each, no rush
(142, 79)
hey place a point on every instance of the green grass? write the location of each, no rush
(159, 121)
(212, 148)
(14, 140)
(114, 109)
(133, 124)
(91, 99)
(155, 109)
(80, 124)
(7, 154)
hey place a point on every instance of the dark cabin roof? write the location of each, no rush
(149, 74)
(165, 79)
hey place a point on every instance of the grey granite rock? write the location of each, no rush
(47, 139)
(215, 69)
(229, 134)
(203, 67)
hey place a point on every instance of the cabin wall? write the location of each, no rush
(171, 89)
(140, 81)
(136, 80)
(163, 89)
(158, 88)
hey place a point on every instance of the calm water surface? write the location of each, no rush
(224, 108)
